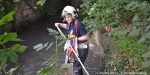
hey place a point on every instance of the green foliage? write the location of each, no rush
(124, 56)
(40, 2)
(7, 18)
(114, 13)
(52, 32)
(7, 6)
(130, 21)
(40, 46)
(146, 64)
(55, 34)
(9, 54)
(52, 6)
(18, 48)
(52, 70)
(1, 9)
(16, 0)
(147, 56)
(8, 37)
(51, 62)
(10, 72)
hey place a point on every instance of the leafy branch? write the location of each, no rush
(52, 61)
(9, 54)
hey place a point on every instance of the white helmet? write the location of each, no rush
(71, 10)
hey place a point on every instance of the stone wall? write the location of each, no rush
(24, 14)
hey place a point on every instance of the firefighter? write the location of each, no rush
(76, 27)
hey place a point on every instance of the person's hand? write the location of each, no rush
(56, 24)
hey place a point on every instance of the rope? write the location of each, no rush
(73, 51)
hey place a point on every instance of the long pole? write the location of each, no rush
(73, 51)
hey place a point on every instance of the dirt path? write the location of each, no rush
(36, 33)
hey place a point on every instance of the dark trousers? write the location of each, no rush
(77, 68)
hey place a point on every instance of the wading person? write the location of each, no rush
(75, 28)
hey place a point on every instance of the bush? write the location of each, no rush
(130, 21)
